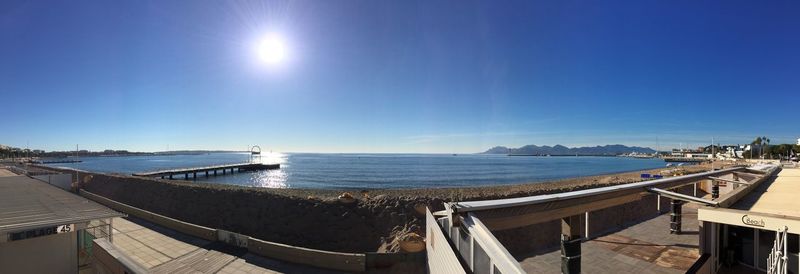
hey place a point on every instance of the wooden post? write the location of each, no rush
(206, 173)
(675, 217)
(194, 175)
(186, 176)
(571, 244)
(170, 176)
(215, 172)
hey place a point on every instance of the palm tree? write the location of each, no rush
(756, 142)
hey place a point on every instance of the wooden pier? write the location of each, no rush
(208, 170)
(56, 161)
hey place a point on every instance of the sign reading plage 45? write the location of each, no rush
(65, 228)
(39, 232)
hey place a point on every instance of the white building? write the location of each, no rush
(43, 228)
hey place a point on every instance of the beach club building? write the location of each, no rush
(43, 229)
(758, 232)
(747, 223)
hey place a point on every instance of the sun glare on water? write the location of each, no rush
(272, 49)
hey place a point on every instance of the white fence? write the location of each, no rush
(441, 256)
(63, 181)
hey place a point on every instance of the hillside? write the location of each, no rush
(563, 150)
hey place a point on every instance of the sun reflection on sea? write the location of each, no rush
(270, 178)
(270, 158)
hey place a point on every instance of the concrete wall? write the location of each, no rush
(107, 259)
(319, 258)
(325, 225)
(57, 253)
(177, 225)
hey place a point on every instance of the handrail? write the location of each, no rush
(727, 180)
(471, 206)
(683, 197)
(498, 255)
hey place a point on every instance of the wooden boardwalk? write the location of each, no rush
(162, 250)
(208, 170)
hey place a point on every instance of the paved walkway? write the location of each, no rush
(647, 247)
(162, 250)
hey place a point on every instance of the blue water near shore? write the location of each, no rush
(364, 171)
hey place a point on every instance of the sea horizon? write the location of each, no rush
(374, 170)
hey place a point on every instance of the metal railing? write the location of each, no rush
(472, 206)
(481, 251)
(101, 229)
(777, 261)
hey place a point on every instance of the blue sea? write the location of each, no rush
(365, 171)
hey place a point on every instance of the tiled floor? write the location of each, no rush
(161, 250)
(139, 252)
(647, 247)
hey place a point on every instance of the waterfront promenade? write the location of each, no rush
(160, 250)
(147, 247)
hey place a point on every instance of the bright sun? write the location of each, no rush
(272, 49)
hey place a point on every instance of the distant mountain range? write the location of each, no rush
(558, 150)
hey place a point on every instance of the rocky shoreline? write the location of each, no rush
(318, 218)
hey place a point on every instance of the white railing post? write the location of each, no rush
(777, 262)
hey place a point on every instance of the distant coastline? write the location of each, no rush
(560, 150)
(561, 155)
(15, 152)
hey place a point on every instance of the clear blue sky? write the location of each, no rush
(397, 76)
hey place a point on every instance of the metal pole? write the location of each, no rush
(571, 244)
(77, 173)
(111, 230)
(714, 189)
(675, 217)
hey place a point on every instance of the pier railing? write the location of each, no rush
(208, 170)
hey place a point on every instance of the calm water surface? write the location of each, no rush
(309, 170)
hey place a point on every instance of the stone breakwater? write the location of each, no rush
(318, 219)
